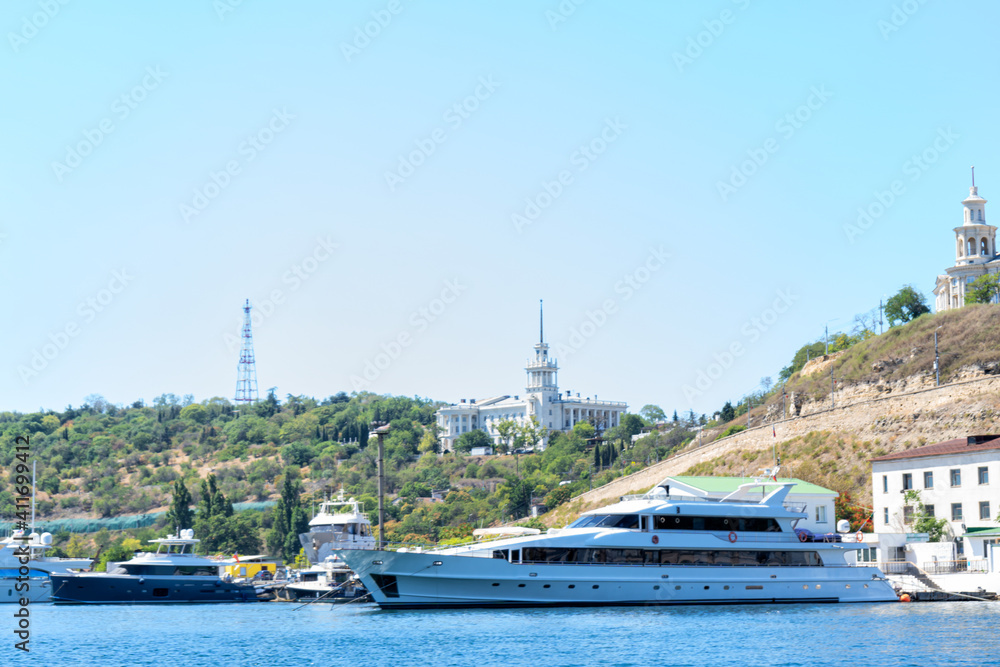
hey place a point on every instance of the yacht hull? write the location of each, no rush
(427, 580)
(132, 589)
(39, 588)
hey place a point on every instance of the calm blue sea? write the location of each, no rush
(957, 633)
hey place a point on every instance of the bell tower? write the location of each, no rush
(542, 382)
(975, 241)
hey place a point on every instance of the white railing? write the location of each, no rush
(952, 566)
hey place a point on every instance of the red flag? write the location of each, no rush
(774, 432)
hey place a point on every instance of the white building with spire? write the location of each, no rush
(975, 253)
(555, 410)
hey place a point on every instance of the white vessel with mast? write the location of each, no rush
(24, 567)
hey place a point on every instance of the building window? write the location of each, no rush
(929, 510)
(885, 516)
(956, 511)
(907, 481)
(928, 480)
(984, 246)
(956, 477)
(885, 484)
(984, 510)
(984, 475)
(821, 514)
(907, 514)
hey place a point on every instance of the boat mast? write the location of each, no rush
(33, 496)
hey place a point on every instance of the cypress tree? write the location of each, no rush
(180, 515)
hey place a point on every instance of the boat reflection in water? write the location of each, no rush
(172, 574)
(645, 550)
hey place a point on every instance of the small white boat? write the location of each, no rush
(339, 524)
(329, 581)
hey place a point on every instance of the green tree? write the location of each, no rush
(653, 413)
(905, 305)
(518, 493)
(508, 430)
(289, 520)
(180, 515)
(584, 430)
(727, 414)
(195, 412)
(532, 432)
(630, 425)
(922, 522)
(802, 355)
(557, 496)
(985, 289)
(473, 438)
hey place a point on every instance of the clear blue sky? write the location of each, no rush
(615, 122)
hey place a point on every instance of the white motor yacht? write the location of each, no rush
(339, 524)
(653, 549)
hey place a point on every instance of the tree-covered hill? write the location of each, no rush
(103, 460)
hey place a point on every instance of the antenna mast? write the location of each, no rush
(246, 381)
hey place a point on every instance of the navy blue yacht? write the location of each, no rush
(171, 574)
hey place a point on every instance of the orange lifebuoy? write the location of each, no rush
(656, 539)
(803, 537)
(732, 536)
(860, 537)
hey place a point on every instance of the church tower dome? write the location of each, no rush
(975, 240)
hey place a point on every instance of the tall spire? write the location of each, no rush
(541, 329)
(973, 175)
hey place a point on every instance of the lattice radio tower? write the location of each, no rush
(246, 382)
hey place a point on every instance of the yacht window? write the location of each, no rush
(719, 523)
(655, 557)
(628, 521)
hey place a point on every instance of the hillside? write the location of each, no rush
(888, 402)
(114, 462)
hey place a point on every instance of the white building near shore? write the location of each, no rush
(957, 480)
(555, 410)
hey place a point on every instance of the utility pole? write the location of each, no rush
(833, 390)
(784, 395)
(827, 329)
(380, 431)
(880, 317)
(937, 365)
